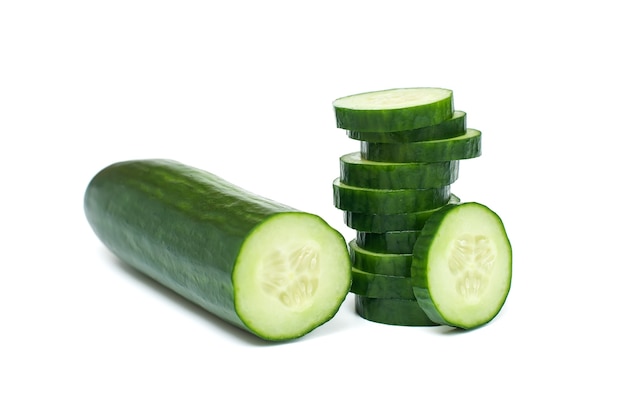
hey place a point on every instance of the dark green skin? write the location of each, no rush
(398, 119)
(395, 242)
(374, 223)
(451, 127)
(374, 285)
(179, 225)
(380, 263)
(404, 312)
(466, 146)
(355, 171)
(388, 201)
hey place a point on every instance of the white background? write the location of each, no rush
(244, 89)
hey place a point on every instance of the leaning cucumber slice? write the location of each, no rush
(452, 127)
(357, 171)
(462, 265)
(394, 109)
(466, 146)
(405, 312)
(388, 201)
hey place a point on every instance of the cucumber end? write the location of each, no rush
(291, 276)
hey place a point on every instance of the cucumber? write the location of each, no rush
(357, 171)
(405, 312)
(262, 266)
(462, 265)
(394, 109)
(388, 201)
(466, 146)
(394, 242)
(452, 127)
(380, 263)
(374, 285)
(375, 223)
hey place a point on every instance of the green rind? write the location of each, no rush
(376, 223)
(454, 126)
(183, 227)
(359, 172)
(394, 242)
(380, 263)
(402, 312)
(374, 285)
(466, 146)
(388, 201)
(420, 269)
(394, 119)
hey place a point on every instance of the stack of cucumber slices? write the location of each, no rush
(420, 257)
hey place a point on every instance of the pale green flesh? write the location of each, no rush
(395, 98)
(468, 272)
(394, 110)
(291, 275)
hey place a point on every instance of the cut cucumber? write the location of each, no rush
(466, 146)
(265, 267)
(462, 265)
(388, 201)
(452, 127)
(403, 312)
(394, 110)
(375, 223)
(357, 171)
(395, 242)
(380, 263)
(374, 285)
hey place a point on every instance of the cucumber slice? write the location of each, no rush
(403, 312)
(395, 242)
(388, 201)
(394, 110)
(260, 265)
(380, 263)
(374, 285)
(452, 127)
(462, 265)
(375, 223)
(359, 172)
(466, 146)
